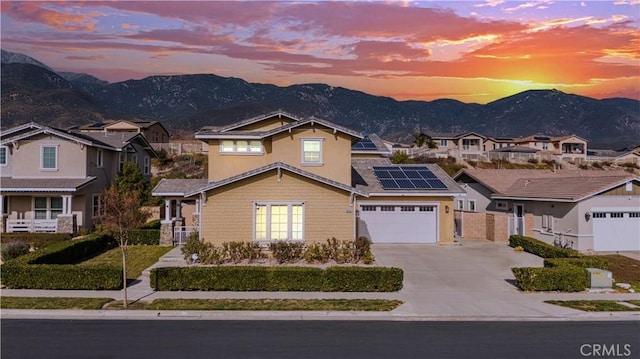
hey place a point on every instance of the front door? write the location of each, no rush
(518, 211)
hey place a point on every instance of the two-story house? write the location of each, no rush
(153, 131)
(569, 147)
(467, 145)
(278, 177)
(51, 179)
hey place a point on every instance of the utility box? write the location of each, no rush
(600, 278)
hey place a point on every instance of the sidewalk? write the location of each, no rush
(426, 295)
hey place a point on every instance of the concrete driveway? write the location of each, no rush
(468, 279)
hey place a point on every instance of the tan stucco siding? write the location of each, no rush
(446, 224)
(266, 125)
(71, 158)
(229, 211)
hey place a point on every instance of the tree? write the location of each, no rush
(399, 157)
(120, 214)
(130, 180)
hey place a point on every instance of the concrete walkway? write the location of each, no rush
(468, 281)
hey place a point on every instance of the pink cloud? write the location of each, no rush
(37, 12)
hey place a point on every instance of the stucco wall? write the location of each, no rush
(70, 158)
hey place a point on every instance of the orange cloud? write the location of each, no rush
(38, 13)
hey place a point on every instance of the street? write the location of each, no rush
(316, 339)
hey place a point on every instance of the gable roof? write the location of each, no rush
(10, 184)
(567, 185)
(378, 146)
(364, 179)
(516, 149)
(228, 131)
(178, 187)
(251, 121)
(453, 135)
(275, 166)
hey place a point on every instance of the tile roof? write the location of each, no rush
(178, 187)
(563, 184)
(517, 149)
(363, 177)
(10, 184)
(112, 139)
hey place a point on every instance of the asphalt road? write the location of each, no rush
(178, 339)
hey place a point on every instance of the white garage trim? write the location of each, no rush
(398, 226)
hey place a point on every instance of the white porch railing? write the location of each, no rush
(181, 233)
(32, 225)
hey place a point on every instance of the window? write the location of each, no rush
(443, 143)
(123, 159)
(5, 205)
(545, 146)
(368, 208)
(47, 207)
(49, 158)
(240, 146)
(427, 208)
(134, 159)
(501, 205)
(312, 151)
(147, 168)
(407, 209)
(472, 205)
(599, 215)
(99, 158)
(3, 155)
(387, 208)
(459, 204)
(547, 223)
(95, 211)
(282, 221)
(617, 214)
(628, 187)
(634, 214)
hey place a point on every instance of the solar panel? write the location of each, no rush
(364, 144)
(407, 177)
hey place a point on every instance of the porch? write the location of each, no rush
(38, 214)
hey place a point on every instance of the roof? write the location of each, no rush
(518, 149)
(271, 167)
(178, 187)
(228, 131)
(97, 126)
(10, 184)
(561, 184)
(377, 147)
(452, 135)
(116, 140)
(249, 121)
(538, 137)
(364, 179)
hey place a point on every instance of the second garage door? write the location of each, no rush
(616, 230)
(403, 223)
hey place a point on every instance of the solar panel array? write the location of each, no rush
(364, 144)
(407, 177)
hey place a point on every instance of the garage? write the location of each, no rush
(616, 229)
(398, 223)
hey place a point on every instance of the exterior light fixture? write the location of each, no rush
(446, 209)
(587, 216)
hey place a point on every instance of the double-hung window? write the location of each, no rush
(49, 158)
(147, 165)
(47, 207)
(241, 146)
(312, 151)
(279, 221)
(3, 155)
(99, 158)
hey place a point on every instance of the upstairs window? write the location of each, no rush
(443, 143)
(241, 146)
(312, 151)
(99, 158)
(3, 155)
(147, 167)
(49, 158)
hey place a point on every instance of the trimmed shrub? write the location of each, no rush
(149, 237)
(583, 262)
(255, 278)
(36, 240)
(155, 224)
(14, 249)
(541, 249)
(52, 267)
(567, 278)
(286, 252)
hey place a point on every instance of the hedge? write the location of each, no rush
(583, 262)
(541, 249)
(36, 240)
(150, 237)
(53, 267)
(257, 278)
(567, 278)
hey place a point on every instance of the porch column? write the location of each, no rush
(166, 225)
(167, 209)
(66, 222)
(67, 204)
(178, 209)
(2, 217)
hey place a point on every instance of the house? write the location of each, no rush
(566, 148)
(278, 177)
(586, 210)
(51, 179)
(466, 145)
(153, 131)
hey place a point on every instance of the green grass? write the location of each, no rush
(276, 304)
(594, 305)
(138, 258)
(52, 303)
(634, 302)
(366, 305)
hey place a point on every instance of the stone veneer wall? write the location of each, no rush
(67, 223)
(166, 233)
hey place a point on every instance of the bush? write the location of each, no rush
(541, 249)
(149, 237)
(254, 278)
(287, 252)
(583, 262)
(14, 249)
(567, 278)
(36, 240)
(155, 224)
(53, 267)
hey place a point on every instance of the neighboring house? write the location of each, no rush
(153, 131)
(51, 179)
(278, 177)
(587, 210)
(467, 145)
(566, 148)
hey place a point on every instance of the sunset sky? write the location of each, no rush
(473, 51)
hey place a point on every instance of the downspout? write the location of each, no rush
(354, 206)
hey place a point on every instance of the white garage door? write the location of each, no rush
(404, 223)
(616, 230)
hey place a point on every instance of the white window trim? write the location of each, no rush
(93, 209)
(475, 205)
(47, 207)
(443, 143)
(289, 221)
(99, 158)
(6, 156)
(248, 152)
(459, 205)
(146, 166)
(320, 160)
(42, 147)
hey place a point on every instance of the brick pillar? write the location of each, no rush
(166, 233)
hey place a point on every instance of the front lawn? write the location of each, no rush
(624, 269)
(52, 303)
(138, 258)
(595, 305)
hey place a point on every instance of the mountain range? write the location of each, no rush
(32, 91)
